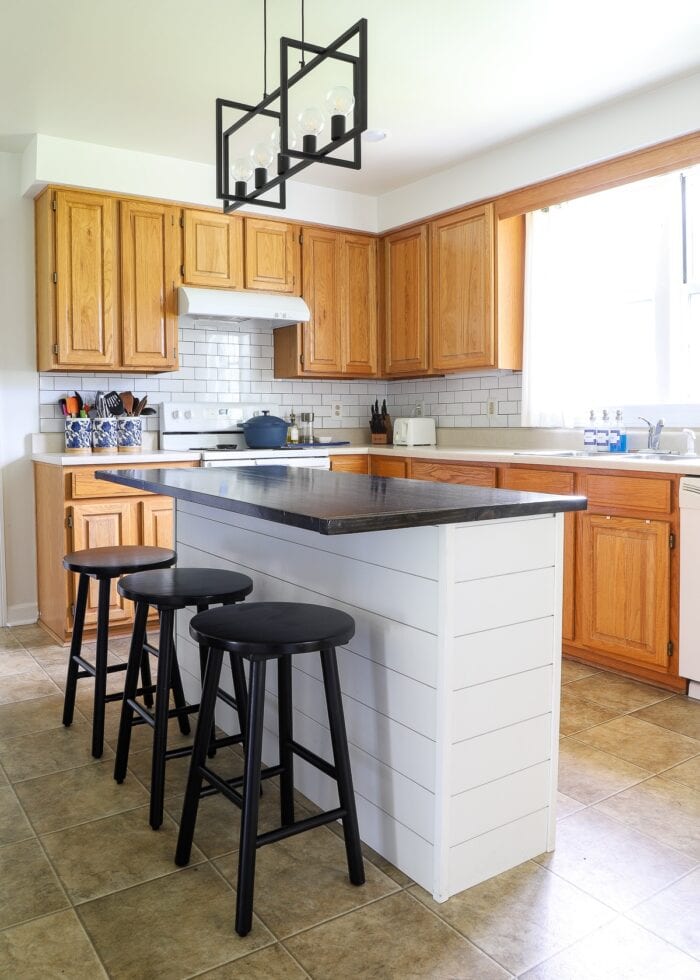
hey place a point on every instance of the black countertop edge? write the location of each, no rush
(339, 503)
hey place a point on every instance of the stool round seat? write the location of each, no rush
(267, 630)
(175, 588)
(113, 561)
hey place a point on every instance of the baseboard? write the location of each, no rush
(23, 614)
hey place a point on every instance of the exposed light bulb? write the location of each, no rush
(340, 101)
(274, 139)
(311, 122)
(241, 171)
(262, 154)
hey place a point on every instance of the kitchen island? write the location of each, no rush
(451, 682)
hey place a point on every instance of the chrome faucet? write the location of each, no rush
(653, 433)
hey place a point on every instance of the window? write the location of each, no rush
(612, 298)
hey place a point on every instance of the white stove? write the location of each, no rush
(215, 430)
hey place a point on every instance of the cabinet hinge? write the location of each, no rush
(69, 520)
(56, 349)
(72, 612)
(672, 540)
(54, 277)
(174, 352)
(301, 239)
(301, 360)
(182, 271)
(182, 221)
(669, 648)
(53, 203)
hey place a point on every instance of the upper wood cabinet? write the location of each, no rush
(76, 280)
(213, 249)
(272, 256)
(462, 290)
(340, 288)
(406, 302)
(150, 254)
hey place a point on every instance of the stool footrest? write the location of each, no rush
(150, 718)
(149, 648)
(314, 760)
(299, 826)
(226, 698)
(227, 786)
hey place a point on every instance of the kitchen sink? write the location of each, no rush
(592, 453)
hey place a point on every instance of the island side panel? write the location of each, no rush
(388, 582)
(505, 681)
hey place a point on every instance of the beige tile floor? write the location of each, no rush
(88, 890)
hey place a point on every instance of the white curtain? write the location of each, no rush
(598, 302)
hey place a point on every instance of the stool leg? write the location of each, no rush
(160, 728)
(136, 653)
(341, 758)
(176, 682)
(251, 799)
(240, 693)
(199, 753)
(75, 648)
(203, 654)
(284, 701)
(146, 679)
(98, 711)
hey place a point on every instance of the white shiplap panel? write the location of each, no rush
(394, 645)
(479, 810)
(403, 597)
(411, 550)
(479, 760)
(493, 548)
(498, 850)
(502, 600)
(503, 702)
(485, 656)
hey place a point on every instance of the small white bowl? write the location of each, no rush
(323, 440)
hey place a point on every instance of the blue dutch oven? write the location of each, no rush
(265, 431)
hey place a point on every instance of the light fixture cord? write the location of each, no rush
(302, 62)
(264, 49)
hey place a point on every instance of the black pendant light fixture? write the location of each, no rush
(273, 161)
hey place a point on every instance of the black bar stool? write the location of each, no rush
(103, 564)
(258, 632)
(168, 591)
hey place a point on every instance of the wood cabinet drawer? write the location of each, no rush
(387, 466)
(537, 480)
(633, 493)
(83, 483)
(352, 463)
(468, 474)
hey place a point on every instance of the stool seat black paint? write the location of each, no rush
(259, 632)
(273, 629)
(104, 564)
(176, 588)
(118, 560)
(168, 590)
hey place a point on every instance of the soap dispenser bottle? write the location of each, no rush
(589, 432)
(602, 433)
(621, 432)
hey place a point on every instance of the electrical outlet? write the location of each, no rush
(418, 410)
(491, 408)
(336, 410)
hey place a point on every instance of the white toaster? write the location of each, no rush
(414, 432)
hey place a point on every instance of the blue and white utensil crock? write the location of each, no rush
(129, 435)
(78, 434)
(104, 435)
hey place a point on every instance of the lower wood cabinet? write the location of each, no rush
(469, 474)
(350, 463)
(75, 510)
(388, 466)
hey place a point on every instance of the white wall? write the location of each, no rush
(19, 409)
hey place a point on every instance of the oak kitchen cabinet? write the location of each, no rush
(468, 474)
(350, 463)
(272, 256)
(406, 302)
(212, 249)
(75, 510)
(340, 288)
(396, 466)
(107, 272)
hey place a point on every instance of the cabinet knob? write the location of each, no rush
(188, 414)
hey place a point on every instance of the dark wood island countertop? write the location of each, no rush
(339, 503)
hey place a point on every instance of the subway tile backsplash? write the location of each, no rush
(236, 365)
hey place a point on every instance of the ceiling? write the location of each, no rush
(447, 79)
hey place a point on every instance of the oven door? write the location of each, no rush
(220, 463)
(309, 462)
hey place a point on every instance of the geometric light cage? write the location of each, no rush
(291, 161)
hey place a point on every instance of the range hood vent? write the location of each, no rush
(237, 306)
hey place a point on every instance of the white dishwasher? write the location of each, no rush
(689, 647)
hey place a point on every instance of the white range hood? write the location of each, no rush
(238, 306)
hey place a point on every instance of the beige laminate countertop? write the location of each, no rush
(603, 461)
(156, 456)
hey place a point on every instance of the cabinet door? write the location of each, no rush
(406, 301)
(321, 353)
(272, 256)
(213, 248)
(387, 466)
(625, 587)
(150, 261)
(104, 524)
(467, 474)
(86, 288)
(359, 305)
(461, 294)
(546, 481)
(351, 463)
(157, 522)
